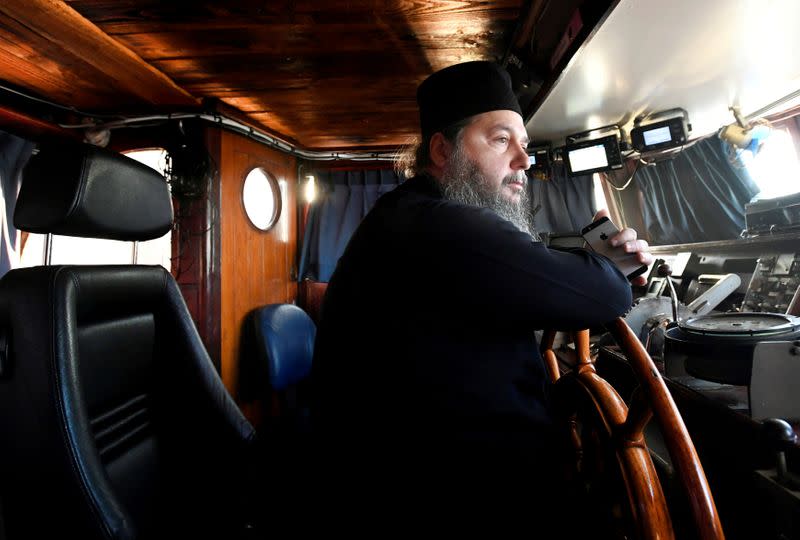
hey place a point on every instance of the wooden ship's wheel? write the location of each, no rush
(604, 429)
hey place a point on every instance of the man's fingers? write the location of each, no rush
(636, 245)
(623, 237)
(646, 258)
(603, 212)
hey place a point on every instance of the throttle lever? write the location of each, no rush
(780, 436)
(665, 271)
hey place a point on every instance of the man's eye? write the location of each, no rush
(502, 140)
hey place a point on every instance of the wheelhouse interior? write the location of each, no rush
(276, 126)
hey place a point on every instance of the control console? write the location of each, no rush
(773, 284)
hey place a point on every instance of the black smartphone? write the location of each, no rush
(598, 233)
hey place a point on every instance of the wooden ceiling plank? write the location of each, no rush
(129, 16)
(61, 25)
(80, 86)
(334, 75)
(431, 23)
(280, 130)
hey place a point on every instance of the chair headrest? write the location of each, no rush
(84, 190)
(287, 334)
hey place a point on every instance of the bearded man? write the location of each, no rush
(426, 361)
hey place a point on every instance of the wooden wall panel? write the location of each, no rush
(257, 267)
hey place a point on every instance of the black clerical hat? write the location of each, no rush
(463, 90)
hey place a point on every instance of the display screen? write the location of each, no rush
(532, 159)
(658, 135)
(591, 157)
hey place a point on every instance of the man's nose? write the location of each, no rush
(521, 160)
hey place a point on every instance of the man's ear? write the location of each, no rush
(440, 149)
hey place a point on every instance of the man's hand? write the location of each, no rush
(628, 238)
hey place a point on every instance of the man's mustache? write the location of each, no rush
(518, 177)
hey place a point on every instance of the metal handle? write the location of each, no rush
(666, 272)
(716, 294)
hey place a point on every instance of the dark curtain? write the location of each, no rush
(14, 154)
(565, 204)
(697, 196)
(344, 198)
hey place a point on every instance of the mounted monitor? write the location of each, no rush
(593, 155)
(669, 132)
(539, 158)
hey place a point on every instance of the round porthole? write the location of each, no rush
(262, 199)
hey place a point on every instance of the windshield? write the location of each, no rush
(715, 188)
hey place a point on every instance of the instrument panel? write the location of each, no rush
(773, 284)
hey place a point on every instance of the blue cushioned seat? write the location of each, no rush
(287, 334)
(284, 336)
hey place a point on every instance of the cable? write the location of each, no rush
(216, 118)
(627, 183)
(57, 106)
(224, 122)
(664, 154)
(669, 153)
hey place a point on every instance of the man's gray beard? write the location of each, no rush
(463, 182)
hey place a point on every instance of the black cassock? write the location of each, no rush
(426, 353)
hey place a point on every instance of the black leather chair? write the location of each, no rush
(114, 421)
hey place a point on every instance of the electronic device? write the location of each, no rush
(539, 158)
(774, 282)
(773, 215)
(593, 155)
(723, 347)
(597, 235)
(650, 316)
(650, 134)
(720, 347)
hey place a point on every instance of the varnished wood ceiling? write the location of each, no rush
(339, 74)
